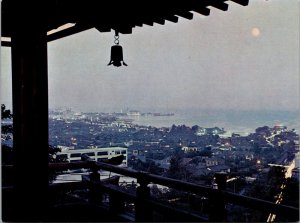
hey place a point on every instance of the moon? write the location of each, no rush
(255, 32)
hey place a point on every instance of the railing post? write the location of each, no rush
(217, 212)
(95, 196)
(143, 212)
(116, 204)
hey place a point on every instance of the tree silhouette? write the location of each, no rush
(6, 114)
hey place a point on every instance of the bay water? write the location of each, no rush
(241, 122)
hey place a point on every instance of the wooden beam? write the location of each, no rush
(202, 10)
(125, 29)
(148, 22)
(171, 18)
(159, 21)
(5, 43)
(103, 28)
(140, 24)
(241, 2)
(186, 15)
(219, 5)
(67, 32)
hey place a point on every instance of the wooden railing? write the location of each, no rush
(145, 205)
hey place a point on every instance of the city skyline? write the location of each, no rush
(244, 59)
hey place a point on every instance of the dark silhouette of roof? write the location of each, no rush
(121, 16)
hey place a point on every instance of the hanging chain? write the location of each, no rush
(116, 38)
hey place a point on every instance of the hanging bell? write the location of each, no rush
(116, 54)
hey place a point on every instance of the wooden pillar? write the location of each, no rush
(30, 113)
